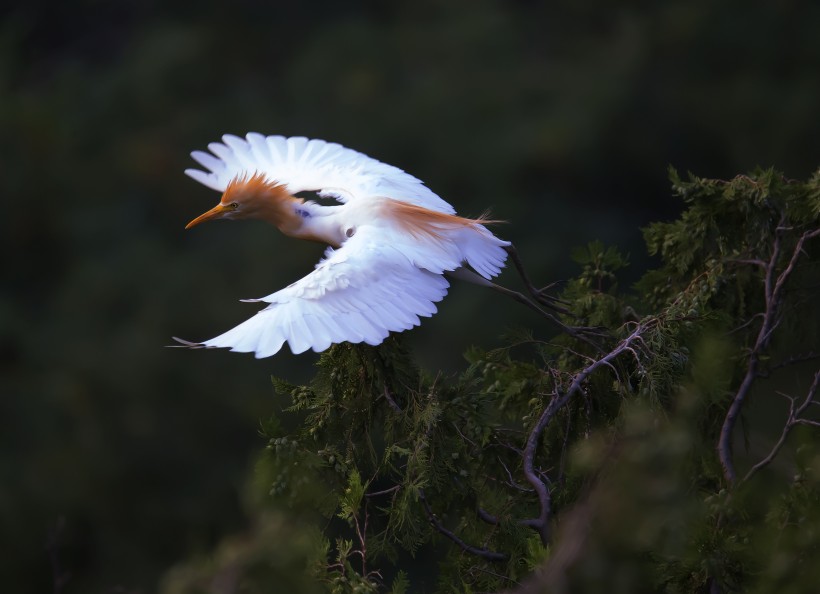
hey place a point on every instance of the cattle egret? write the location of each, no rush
(391, 240)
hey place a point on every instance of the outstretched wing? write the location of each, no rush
(301, 164)
(358, 293)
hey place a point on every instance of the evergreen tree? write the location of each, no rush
(663, 438)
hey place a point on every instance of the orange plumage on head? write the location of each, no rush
(256, 185)
(254, 196)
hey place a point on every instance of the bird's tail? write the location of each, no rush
(482, 250)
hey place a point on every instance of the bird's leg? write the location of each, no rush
(540, 295)
(578, 332)
(465, 274)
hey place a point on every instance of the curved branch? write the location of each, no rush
(477, 551)
(487, 517)
(557, 401)
(392, 489)
(773, 285)
(793, 419)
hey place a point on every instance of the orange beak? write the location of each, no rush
(217, 212)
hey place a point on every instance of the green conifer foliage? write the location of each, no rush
(665, 439)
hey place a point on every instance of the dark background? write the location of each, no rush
(561, 117)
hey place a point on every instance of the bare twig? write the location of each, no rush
(795, 359)
(390, 400)
(495, 574)
(487, 517)
(392, 489)
(773, 284)
(557, 401)
(467, 548)
(745, 324)
(562, 462)
(544, 498)
(464, 437)
(361, 533)
(752, 261)
(512, 482)
(793, 419)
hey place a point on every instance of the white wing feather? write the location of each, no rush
(358, 293)
(315, 165)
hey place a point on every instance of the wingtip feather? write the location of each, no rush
(209, 180)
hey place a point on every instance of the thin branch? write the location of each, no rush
(794, 359)
(745, 324)
(392, 489)
(544, 499)
(562, 461)
(773, 290)
(390, 400)
(775, 449)
(361, 533)
(477, 551)
(557, 401)
(792, 420)
(512, 482)
(787, 362)
(798, 251)
(752, 261)
(487, 517)
(494, 574)
(464, 437)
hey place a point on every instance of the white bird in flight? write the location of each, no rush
(391, 241)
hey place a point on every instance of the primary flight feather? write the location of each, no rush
(391, 241)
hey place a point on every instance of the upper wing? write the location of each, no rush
(358, 293)
(315, 165)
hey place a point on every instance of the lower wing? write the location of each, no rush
(359, 293)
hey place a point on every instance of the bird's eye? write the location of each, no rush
(234, 205)
(350, 232)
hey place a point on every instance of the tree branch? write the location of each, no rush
(487, 517)
(477, 551)
(389, 398)
(392, 489)
(793, 419)
(773, 290)
(788, 361)
(512, 482)
(557, 401)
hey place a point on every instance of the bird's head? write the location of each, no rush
(245, 197)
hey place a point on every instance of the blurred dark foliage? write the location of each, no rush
(561, 117)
